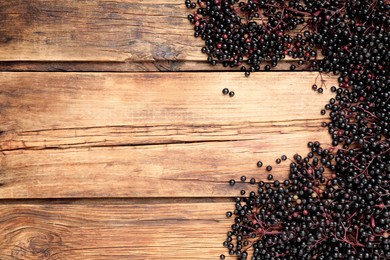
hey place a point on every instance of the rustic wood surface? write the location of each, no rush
(104, 157)
(114, 134)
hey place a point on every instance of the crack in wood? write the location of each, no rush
(280, 123)
(72, 146)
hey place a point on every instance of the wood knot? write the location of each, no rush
(34, 243)
(5, 39)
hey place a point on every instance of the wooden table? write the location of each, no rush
(116, 141)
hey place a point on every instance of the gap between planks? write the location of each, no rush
(155, 66)
(115, 201)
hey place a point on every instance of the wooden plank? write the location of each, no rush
(121, 231)
(39, 101)
(97, 30)
(112, 134)
(197, 170)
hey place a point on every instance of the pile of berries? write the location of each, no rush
(335, 203)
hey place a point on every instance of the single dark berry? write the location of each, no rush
(232, 182)
(297, 157)
(269, 168)
(231, 93)
(259, 164)
(243, 178)
(225, 91)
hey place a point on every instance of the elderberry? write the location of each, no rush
(335, 203)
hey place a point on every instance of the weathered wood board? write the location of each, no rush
(119, 231)
(147, 33)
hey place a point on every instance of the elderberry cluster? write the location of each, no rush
(311, 216)
(251, 32)
(335, 203)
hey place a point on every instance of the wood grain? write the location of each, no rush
(98, 31)
(121, 231)
(149, 134)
